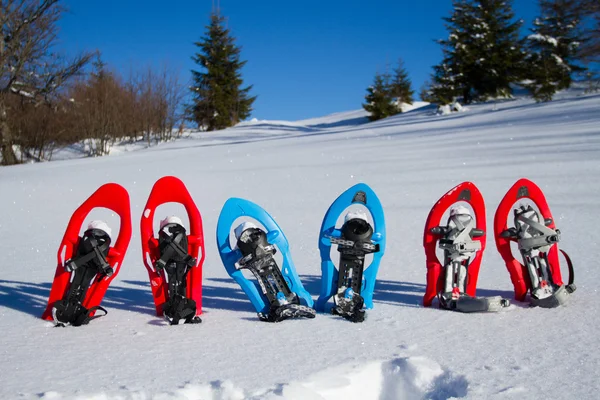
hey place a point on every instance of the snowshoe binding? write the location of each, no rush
(354, 243)
(462, 241)
(537, 238)
(88, 265)
(456, 240)
(257, 257)
(175, 263)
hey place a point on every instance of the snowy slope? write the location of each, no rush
(295, 170)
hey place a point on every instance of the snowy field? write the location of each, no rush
(295, 170)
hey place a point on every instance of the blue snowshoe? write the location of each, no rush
(277, 294)
(351, 284)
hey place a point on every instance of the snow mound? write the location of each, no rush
(401, 378)
(397, 379)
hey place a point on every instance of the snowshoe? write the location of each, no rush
(87, 264)
(537, 238)
(278, 293)
(351, 284)
(174, 260)
(462, 240)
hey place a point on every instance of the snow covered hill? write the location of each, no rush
(295, 170)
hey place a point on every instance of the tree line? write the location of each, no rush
(48, 100)
(485, 56)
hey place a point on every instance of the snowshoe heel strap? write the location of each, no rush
(85, 318)
(571, 271)
(560, 295)
(69, 313)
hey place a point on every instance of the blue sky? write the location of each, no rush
(305, 58)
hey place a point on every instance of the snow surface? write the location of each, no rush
(295, 171)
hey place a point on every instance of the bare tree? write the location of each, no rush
(28, 67)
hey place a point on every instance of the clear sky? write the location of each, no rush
(305, 58)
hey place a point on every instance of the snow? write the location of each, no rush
(543, 38)
(295, 170)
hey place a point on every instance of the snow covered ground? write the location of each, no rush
(295, 170)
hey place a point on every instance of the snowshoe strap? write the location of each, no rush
(559, 295)
(571, 271)
(65, 314)
(252, 257)
(358, 246)
(457, 241)
(172, 247)
(542, 237)
(86, 317)
(96, 255)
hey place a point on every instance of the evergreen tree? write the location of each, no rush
(455, 75)
(483, 53)
(401, 87)
(503, 56)
(554, 46)
(447, 85)
(378, 99)
(219, 101)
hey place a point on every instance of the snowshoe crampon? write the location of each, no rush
(537, 239)
(462, 241)
(87, 264)
(277, 293)
(350, 284)
(174, 259)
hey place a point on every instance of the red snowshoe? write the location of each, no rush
(174, 259)
(88, 264)
(537, 237)
(462, 240)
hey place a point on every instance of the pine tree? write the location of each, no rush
(455, 75)
(219, 101)
(378, 99)
(483, 53)
(554, 46)
(502, 60)
(446, 85)
(401, 87)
